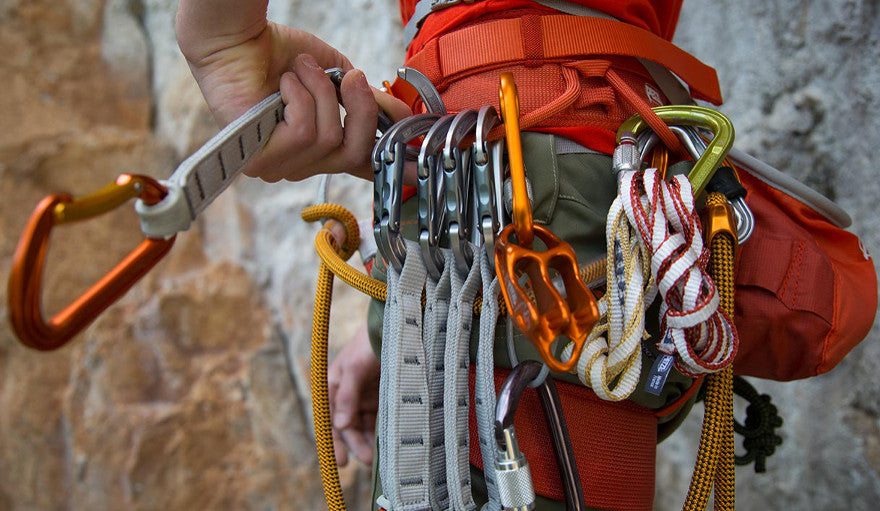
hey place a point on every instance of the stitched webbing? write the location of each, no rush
(455, 391)
(437, 295)
(484, 391)
(405, 410)
(562, 37)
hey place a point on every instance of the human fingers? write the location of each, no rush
(328, 126)
(359, 445)
(359, 127)
(340, 449)
(286, 153)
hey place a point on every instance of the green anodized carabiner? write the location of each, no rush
(700, 117)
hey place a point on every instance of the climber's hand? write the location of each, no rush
(238, 57)
(354, 399)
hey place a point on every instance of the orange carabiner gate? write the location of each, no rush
(25, 281)
(547, 314)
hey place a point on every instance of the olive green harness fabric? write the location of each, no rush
(571, 196)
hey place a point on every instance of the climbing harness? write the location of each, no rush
(656, 245)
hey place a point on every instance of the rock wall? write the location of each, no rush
(192, 391)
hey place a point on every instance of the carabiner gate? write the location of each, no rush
(25, 281)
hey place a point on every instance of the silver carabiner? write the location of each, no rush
(430, 97)
(693, 141)
(388, 160)
(745, 219)
(508, 457)
(431, 192)
(486, 168)
(456, 166)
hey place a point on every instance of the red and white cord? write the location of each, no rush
(662, 211)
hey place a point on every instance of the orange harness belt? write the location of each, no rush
(541, 39)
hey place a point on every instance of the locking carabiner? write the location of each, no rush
(25, 281)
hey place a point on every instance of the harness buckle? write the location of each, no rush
(25, 281)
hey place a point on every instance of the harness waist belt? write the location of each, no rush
(556, 37)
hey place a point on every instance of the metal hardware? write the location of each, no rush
(510, 464)
(389, 156)
(686, 115)
(431, 191)
(486, 167)
(383, 121)
(421, 83)
(544, 315)
(25, 281)
(457, 178)
(696, 146)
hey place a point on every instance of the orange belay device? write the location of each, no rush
(548, 315)
(25, 281)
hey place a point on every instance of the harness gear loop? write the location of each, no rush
(548, 315)
(25, 281)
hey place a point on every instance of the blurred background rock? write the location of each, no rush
(181, 396)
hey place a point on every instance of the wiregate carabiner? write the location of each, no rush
(546, 315)
(456, 174)
(25, 281)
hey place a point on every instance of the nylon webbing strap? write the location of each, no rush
(437, 295)
(199, 179)
(404, 406)
(424, 8)
(484, 392)
(211, 169)
(455, 390)
(561, 37)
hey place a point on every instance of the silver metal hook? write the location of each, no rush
(389, 156)
(486, 165)
(431, 192)
(456, 174)
(693, 141)
(422, 85)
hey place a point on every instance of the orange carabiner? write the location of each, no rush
(25, 281)
(547, 315)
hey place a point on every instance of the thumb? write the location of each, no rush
(395, 108)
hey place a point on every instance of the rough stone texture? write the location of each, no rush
(179, 397)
